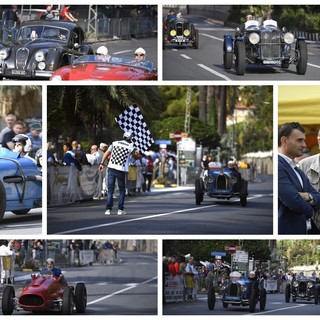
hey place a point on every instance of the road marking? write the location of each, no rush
(185, 56)
(124, 51)
(149, 217)
(130, 286)
(210, 36)
(281, 309)
(214, 72)
(313, 65)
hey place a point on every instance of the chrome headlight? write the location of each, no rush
(254, 38)
(56, 78)
(186, 33)
(310, 285)
(288, 37)
(243, 288)
(4, 54)
(39, 56)
(173, 33)
(295, 283)
(41, 65)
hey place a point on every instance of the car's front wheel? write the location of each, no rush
(240, 62)
(21, 212)
(67, 301)
(211, 297)
(196, 39)
(81, 297)
(302, 57)
(8, 300)
(263, 299)
(3, 201)
(198, 191)
(288, 293)
(227, 60)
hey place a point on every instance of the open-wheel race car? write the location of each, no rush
(46, 292)
(241, 291)
(302, 288)
(180, 31)
(221, 183)
(20, 183)
(40, 47)
(91, 67)
(265, 45)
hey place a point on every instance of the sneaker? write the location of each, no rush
(108, 212)
(121, 212)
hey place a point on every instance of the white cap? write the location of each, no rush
(179, 15)
(102, 50)
(140, 50)
(102, 144)
(231, 162)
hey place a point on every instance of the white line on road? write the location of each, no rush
(131, 286)
(214, 72)
(313, 65)
(185, 56)
(281, 309)
(210, 36)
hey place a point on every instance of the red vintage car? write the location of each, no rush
(46, 293)
(91, 67)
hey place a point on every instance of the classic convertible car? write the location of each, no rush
(40, 47)
(46, 293)
(20, 183)
(180, 31)
(221, 183)
(91, 67)
(243, 291)
(264, 44)
(303, 288)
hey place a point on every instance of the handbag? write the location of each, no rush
(316, 218)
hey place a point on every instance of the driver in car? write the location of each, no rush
(51, 268)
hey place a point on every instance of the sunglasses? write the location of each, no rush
(139, 55)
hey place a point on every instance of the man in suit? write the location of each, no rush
(297, 199)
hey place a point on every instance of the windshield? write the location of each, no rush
(43, 32)
(114, 60)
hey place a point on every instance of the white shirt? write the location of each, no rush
(120, 155)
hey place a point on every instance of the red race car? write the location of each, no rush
(91, 67)
(46, 293)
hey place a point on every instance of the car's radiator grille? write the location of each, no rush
(270, 45)
(179, 29)
(31, 300)
(22, 58)
(302, 287)
(222, 182)
(233, 290)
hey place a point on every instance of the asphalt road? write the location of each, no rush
(128, 288)
(275, 306)
(206, 63)
(170, 211)
(29, 224)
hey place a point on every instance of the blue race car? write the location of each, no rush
(20, 183)
(221, 183)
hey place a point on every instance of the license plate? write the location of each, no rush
(271, 61)
(19, 72)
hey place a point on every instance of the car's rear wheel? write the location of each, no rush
(67, 301)
(3, 201)
(81, 297)
(243, 192)
(211, 297)
(227, 60)
(240, 62)
(198, 191)
(196, 39)
(8, 300)
(316, 296)
(302, 57)
(288, 293)
(21, 212)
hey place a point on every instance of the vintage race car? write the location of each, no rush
(221, 183)
(20, 183)
(264, 44)
(46, 293)
(303, 288)
(180, 32)
(91, 67)
(40, 47)
(240, 291)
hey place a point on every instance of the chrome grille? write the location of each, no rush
(270, 44)
(222, 182)
(179, 29)
(22, 58)
(302, 286)
(233, 290)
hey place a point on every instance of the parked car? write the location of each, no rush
(20, 184)
(40, 47)
(264, 44)
(220, 183)
(303, 288)
(242, 291)
(91, 67)
(46, 293)
(180, 31)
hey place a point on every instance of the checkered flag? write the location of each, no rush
(131, 120)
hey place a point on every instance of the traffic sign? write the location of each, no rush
(232, 248)
(177, 135)
(218, 253)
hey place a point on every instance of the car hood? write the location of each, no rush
(94, 71)
(37, 44)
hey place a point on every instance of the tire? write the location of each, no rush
(225, 305)
(8, 300)
(253, 300)
(302, 57)
(198, 191)
(3, 201)
(243, 200)
(211, 298)
(316, 296)
(263, 299)
(196, 40)
(21, 212)
(240, 62)
(227, 60)
(67, 301)
(81, 297)
(288, 293)
(285, 64)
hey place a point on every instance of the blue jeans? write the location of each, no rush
(120, 176)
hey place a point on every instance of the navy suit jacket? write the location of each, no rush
(293, 210)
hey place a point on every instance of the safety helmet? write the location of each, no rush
(252, 274)
(24, 139)
(140, 50)
(38, 157)
(127, 136)
(102, 50)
